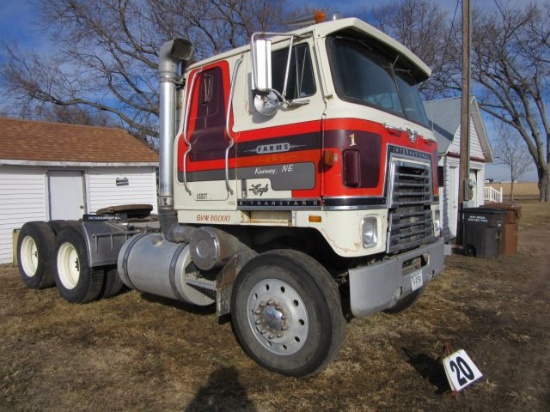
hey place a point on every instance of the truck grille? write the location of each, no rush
(410, 218)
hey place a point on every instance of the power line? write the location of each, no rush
(450, 31)
(452, 26)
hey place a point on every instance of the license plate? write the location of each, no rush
(416, 280)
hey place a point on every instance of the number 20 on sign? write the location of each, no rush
(460, 370)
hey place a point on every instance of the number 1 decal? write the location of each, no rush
(460, 370)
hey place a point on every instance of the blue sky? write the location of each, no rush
(345, 6)
(16, 18)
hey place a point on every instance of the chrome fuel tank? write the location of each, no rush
(149, 263)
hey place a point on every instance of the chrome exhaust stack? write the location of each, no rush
(172, 58)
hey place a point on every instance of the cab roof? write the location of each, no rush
(349, 26)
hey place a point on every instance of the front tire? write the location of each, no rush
(35, 246)
(76, 281)
(287, 313)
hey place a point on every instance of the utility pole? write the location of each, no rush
(464, 191)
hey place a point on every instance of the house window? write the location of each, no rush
(440, 176)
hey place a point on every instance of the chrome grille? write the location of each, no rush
(410, 218)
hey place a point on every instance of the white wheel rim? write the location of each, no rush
(68, 265)
(29, 256)
(278, 317)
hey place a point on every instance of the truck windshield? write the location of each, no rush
(364, 75)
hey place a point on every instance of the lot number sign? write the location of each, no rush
(460, 370)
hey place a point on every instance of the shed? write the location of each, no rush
(444, 117)
(51, 171)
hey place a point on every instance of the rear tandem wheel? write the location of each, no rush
(76, 281)
(34, 253)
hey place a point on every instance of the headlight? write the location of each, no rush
(369, 231)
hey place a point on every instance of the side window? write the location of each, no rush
(301, 81)
(208, 135)
(210, 111)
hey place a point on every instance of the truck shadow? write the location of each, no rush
(198, 310)
(222, 392)
(429, 368)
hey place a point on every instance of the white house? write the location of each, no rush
(444, 117)
(51, 171)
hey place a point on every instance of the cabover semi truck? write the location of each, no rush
(297, 189)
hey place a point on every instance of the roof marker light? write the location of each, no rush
(318, 16)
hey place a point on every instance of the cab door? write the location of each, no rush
(279, 151)
(205, 149)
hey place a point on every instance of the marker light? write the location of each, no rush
(319, 16)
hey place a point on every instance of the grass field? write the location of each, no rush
(136, 352)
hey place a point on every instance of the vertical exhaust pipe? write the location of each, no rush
(172, 56)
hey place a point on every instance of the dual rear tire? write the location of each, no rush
(75, 280)
(34, 253)
(51, 255)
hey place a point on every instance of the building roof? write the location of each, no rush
(444, 116)
(33, 142)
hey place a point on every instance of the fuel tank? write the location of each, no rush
(149, 263)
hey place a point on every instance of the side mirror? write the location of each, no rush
(266, 101)
(261, 55)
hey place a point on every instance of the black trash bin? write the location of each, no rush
(481, 231)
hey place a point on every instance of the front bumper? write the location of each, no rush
(379, 286)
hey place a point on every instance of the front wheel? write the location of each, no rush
(287, 313)
(76, 281)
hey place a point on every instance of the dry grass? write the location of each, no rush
(522, 191)
(534, 214)
(140, 353)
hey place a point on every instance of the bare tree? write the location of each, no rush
(216, 25)
(511, 63)
(104, 57)
(511, 152)
(76, 115)
(426, 29)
